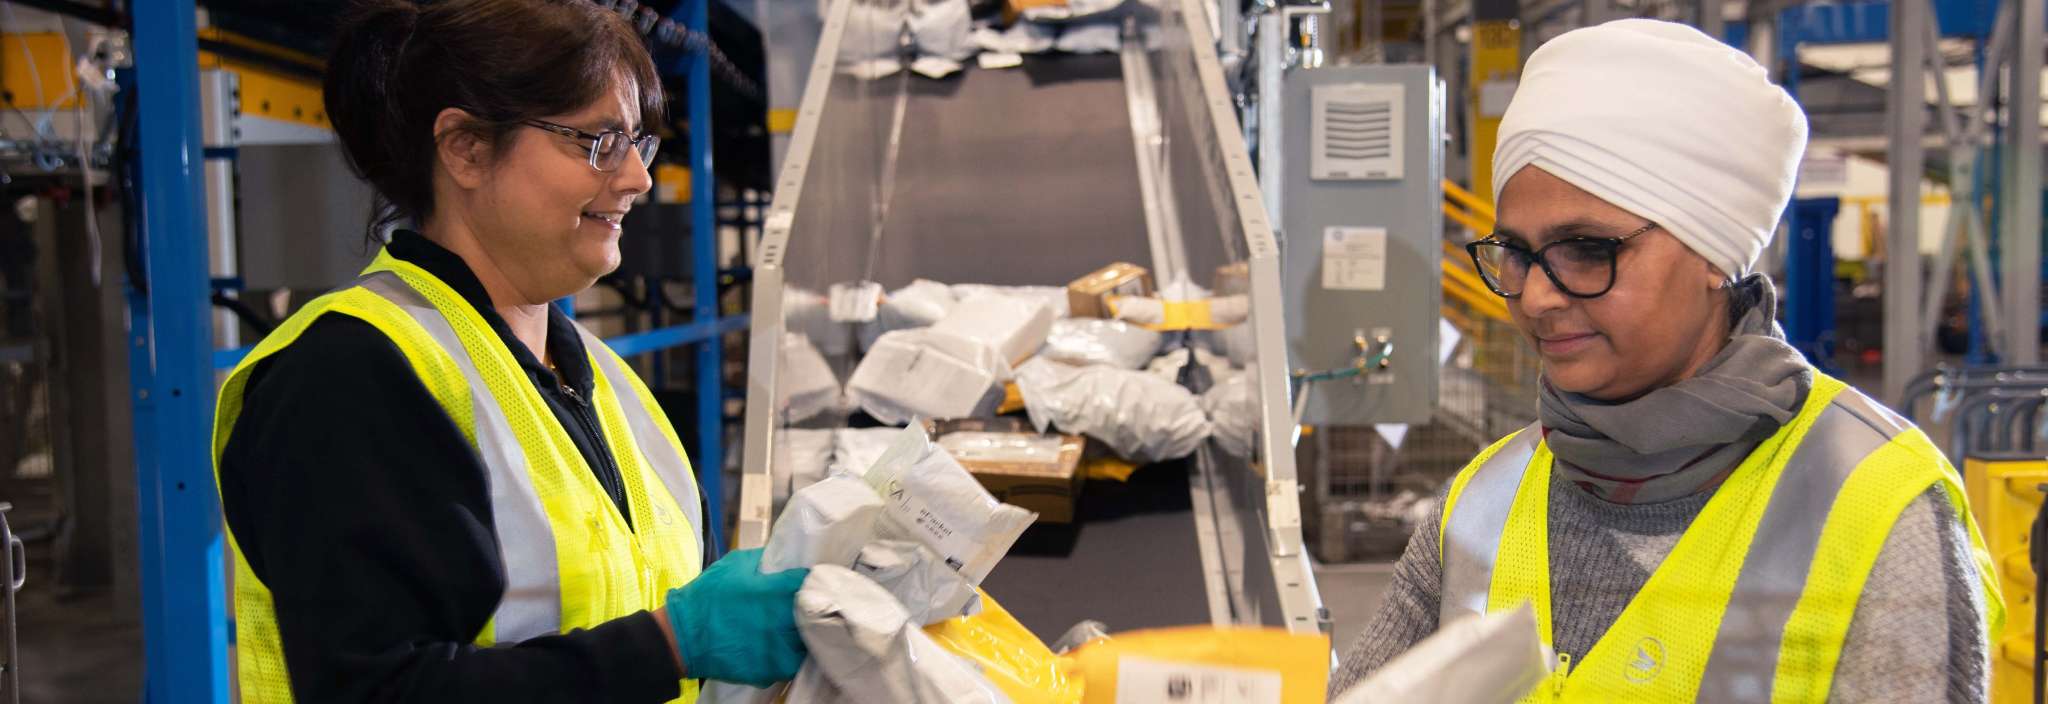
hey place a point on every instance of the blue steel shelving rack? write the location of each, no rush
(173, 363)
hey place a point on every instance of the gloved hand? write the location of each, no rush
(734, 624)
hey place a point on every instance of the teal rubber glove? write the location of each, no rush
(734, 624)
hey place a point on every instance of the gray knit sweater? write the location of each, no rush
(1917, 635)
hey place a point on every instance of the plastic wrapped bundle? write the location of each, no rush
(807, 387)
(1088, 341)
(865, 649)
(922, 581)
(1054, 297)
(1015, 326)
(824, 524)
(810, 313)
(855, 450)
(926, 373)
(1233, 408)
(943, 29)
(802, 457)
(1142, 417)
(930, 499)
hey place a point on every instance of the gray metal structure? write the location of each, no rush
(1037, 175)
(1363, 237)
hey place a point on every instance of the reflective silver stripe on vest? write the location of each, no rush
(1744, 661)
(654, 446)
(532, 603)
(1471, 539)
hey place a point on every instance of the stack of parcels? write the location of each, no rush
(891, 550)
(954, 367)
(892, 614)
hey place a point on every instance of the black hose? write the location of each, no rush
(244, 313)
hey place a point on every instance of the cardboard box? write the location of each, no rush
(1020, 467)
(1233, 279)
(1087, 297)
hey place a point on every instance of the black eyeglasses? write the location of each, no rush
(608, 148)
(1581, 267)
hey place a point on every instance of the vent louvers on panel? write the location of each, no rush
(1357, 132)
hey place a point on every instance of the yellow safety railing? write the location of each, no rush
(1460, 281)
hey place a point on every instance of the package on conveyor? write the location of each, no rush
(1018, 465)
(1088, 296)
(1017, 39)
(1143, 417)
(1054, 297)
(1186, 664)
(1085, 341)
(1182, 305)
(1491, 659)
(802, 458)
(807, 386)
(927, 373)
(810, 313)
(1232, 404)
(866, 649)
(1015, 326)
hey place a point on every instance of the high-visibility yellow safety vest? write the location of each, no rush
(1725, 617)
(571, 560)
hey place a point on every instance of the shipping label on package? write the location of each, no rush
(1148, 681)
(931, 528)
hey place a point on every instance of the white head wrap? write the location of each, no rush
(1664, 122)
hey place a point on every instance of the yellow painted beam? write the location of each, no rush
(781, 120)
(1496, 56)
(269, 93)
(52, 59)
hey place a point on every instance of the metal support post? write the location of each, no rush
(1810, 280)
(2022, 243)
(170, 352)
(1905, 342)
(220, 100)
(704, 279)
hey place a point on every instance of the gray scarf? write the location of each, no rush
(1682, 439)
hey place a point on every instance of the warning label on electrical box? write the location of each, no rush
(1147, 681)
(1355, 258)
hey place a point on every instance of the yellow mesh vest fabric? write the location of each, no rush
(1854, 534)
(606, 570)
(1458, 483)
(1675, 617)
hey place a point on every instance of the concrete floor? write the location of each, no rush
(76, 647)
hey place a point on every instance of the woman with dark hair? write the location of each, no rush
(437, 486)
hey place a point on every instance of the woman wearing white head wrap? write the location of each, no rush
(1698, 514)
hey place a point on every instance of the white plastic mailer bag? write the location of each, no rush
(1015, 326)
(929, 498)
(1091, 38)
(1054, 297)
(927, 373)
(1018, 38)
(1490, 659)
(854, 450)
(809, 312)
(802, 456)
(824, 524)
(807, 386)
(1141, 416)
(1088, 341)
(1233, 407)
(943, 29)
(866, 647)
(922, 581)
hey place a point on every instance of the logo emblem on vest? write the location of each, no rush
(663, 517)
(1648, 661)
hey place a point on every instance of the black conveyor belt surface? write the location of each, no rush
(1133, 562)
(1022, 176)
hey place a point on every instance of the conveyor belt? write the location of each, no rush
(1004, 189)
(1131, 561)
(1032, 176)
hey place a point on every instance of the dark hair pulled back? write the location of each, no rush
(397, 64)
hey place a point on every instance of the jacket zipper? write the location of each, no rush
(608, 473)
